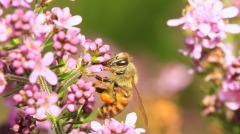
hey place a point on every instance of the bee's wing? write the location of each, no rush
(138, 101)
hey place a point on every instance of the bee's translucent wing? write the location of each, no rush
(138, 101)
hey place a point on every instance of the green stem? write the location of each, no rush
(45, 87)
(48, 36)
(65, 82)
(17, 78)
(57, 127)
(76, 118)
(40, 4)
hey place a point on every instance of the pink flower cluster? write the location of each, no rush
(96, 51)
(113, 126)
(24, 124)
(230, 91)
(43, 57)
(207, 26)
(16, 3)
(83, 129)
(95, 54)
(81, 94)
(67, 41)
(27, 98)
(205, 19)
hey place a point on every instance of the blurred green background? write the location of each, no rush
(139, 27)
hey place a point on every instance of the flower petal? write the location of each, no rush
(41, 113)
(66, 12)
(131, 119)
(229, 12)
(72, 28)
(50, 76)
(139, 130)
(196, 53)
(233, 105)
(3, 82)
(232, 28)
(48, 59)
(33, 76)
(175, 22)
(58, 23)
(53, 98)
(54, 110)
(96, 126)
(217, 7)
(41, 18)
(75, 20)
(205, 28)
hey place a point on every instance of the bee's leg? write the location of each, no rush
(114, 96)
(125, 93)
(100, 89)
(103, 79)
(107, 69)
(120, 73)
(97, 83)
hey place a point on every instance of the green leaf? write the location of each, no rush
(64, 89)
(48, 47)
(42, 9)
(79, 122)
(13, 92)
(10, 47)
(56, 67)
(94, 60)
(66, 76)
(68, 115)
(90, 117)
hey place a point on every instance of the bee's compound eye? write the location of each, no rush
(122, 62)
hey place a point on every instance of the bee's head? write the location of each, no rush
(120, 60)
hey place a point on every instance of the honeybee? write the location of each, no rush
(119, 87)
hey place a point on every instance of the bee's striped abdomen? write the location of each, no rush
(109, 110)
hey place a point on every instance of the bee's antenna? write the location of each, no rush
(112, 54)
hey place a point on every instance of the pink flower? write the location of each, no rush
(47, 106)
(27, 98)
(46, 125)
(75, 131)
(40, 68)
(5, 3)
(2, 82)
(87, 58)
(38, 25)
(3, 32)
(96, 52)
(65, 19)
(207, 18)
(95, 68)
(113, 126)
(71, 64)
(81, 93)
(24, 3)
(66, 42)
(231, 98)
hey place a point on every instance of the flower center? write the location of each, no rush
(1, 82)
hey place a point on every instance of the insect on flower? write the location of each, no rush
(119, 87)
